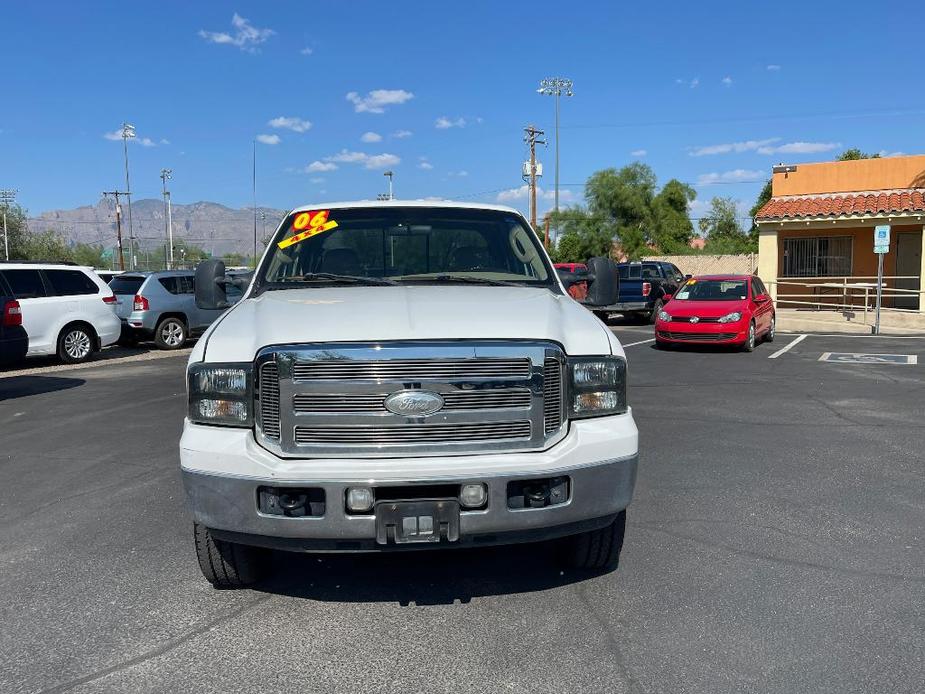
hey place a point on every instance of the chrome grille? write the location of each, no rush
(268, 394)
(411, 370)
(330, 398)
(552, 395)
(506, 398)
(423, 433)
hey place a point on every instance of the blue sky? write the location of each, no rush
(711, 93)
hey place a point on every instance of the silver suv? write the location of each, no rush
(162, 306)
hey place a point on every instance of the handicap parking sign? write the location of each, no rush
(882, 238)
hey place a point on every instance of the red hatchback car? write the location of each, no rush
(717, 309)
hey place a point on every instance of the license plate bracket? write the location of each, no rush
(412, 522)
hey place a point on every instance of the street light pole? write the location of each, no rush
(7, 195)
(168, 257)
(388, 174)
(128, 133)
(556, 86)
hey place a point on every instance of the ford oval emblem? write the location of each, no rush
(414, 403)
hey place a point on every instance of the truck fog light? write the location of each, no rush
(473, 495)
(360, 499)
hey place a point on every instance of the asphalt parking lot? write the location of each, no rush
(775, 544)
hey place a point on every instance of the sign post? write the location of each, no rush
(881, 247)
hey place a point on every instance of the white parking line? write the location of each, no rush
(641, 342)
(788, 347)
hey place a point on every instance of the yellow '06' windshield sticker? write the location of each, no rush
(306, 225)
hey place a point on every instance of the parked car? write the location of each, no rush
(162, 306)
(718, 309)
(399, 375)
(636, 289)
(14, 342)
(66, 310)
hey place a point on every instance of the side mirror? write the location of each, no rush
(666, 298)
(687, 277)
(210, 285)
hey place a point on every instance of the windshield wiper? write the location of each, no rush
(466, 279)
(331, 277)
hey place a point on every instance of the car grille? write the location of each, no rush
(689, 319)
(423, 433)
(696, 337)
(518, 398)
(329, 400)
(411, 370)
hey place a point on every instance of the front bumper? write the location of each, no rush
(598, 456)
(702, 333)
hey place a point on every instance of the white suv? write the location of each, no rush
(66, 310)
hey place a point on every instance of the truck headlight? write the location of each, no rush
(730, 317)
(221, 394)
(597, 386)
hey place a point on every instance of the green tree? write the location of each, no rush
(763, 197)
(47, 246)
(854, 153)
(721, 228)
(584, 235)
(87, 254)
(671, 229)
(17, 230)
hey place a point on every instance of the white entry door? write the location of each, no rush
(908, 264)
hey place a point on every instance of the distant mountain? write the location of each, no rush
(212, 226)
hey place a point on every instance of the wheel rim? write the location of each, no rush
(751, 335)
(172, 334)
(77, 344)
(773, 327)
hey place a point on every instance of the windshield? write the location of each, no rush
(713, 290)
(407, 245)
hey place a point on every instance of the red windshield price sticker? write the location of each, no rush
(306, 225)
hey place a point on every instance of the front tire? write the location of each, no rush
(226, 564)
(655, 310)
(749, 344)
(596, 550)
(76, 344)
(170, 333)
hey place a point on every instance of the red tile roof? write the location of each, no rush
(883, 202)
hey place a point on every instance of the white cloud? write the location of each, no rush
(522, 192)
(147, 142)
(376, 100)
(773, 68)
(679, 81)
(800, 148)
(369, 161)
(269, 139)
(307, 51)
(316, 180)
(638, 153)
(424, 164)
(458, 173)
(737, 147)
(371, 137)
(402, 134)
(884, 153)
(695, 83)
(246, 36)
(443, 123)
(318, 166)
(165, 141)
(116, 135)
(734, 176)
(296, 125)
(727, 81)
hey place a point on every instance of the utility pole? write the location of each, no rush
(128, 133)
(255, 203)
(7, 196)
(531, 139)
(168, 256)
(556, 86)
(116, 194)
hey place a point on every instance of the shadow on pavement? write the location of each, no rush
(434, 577)
(22, 386)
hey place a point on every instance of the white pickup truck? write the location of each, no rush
(404, 375)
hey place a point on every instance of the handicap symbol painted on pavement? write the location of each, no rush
(863, 358)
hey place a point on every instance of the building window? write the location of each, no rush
(823, 256)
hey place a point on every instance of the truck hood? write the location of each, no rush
(370, 314)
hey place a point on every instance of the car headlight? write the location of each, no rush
(665, 316)
(597, 386)
(221, 394)
(730, 317)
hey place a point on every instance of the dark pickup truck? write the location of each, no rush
(634, 289)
